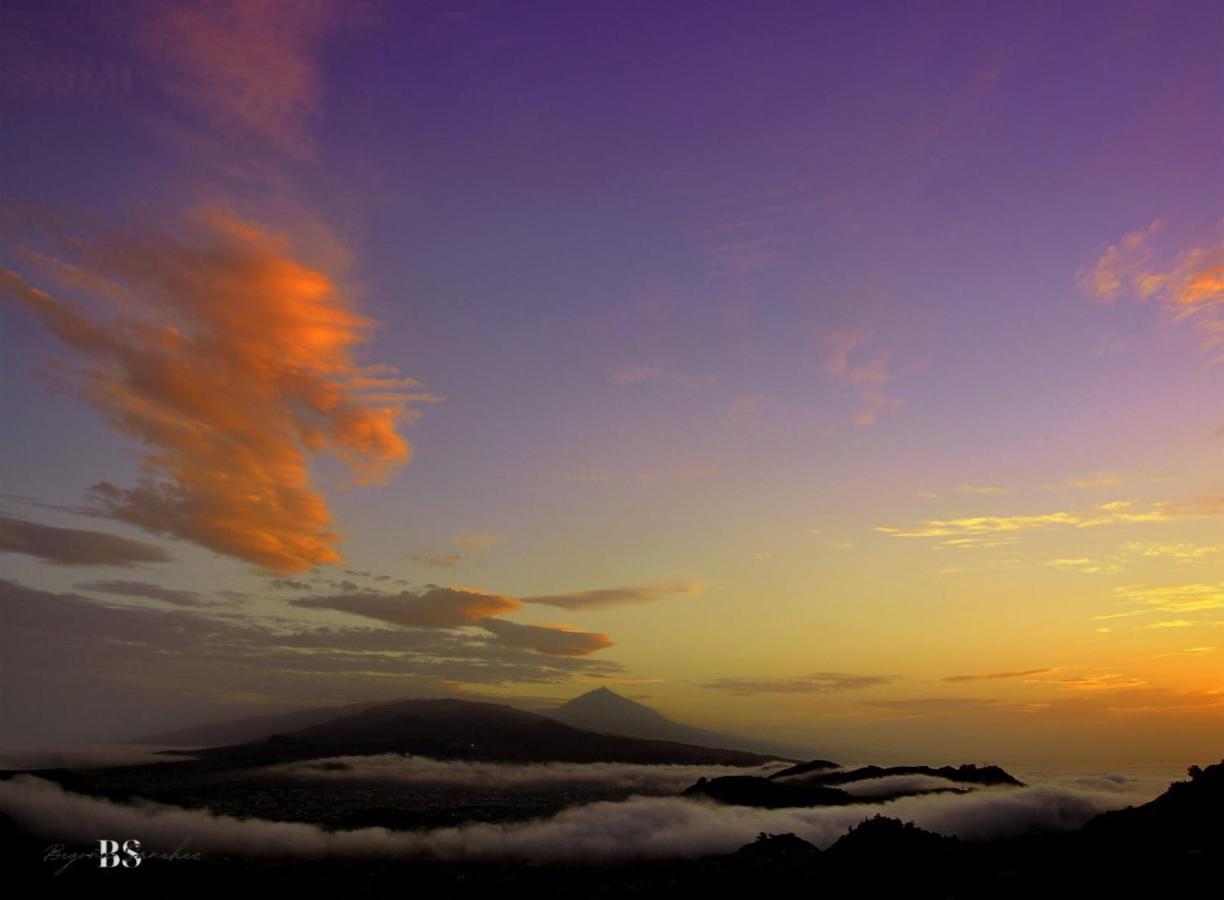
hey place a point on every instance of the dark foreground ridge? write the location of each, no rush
(1189, 816)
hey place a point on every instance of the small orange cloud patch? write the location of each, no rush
(1189, 285)
(231, 361)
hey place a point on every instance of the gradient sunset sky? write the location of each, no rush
(848, 374)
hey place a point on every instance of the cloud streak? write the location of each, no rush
(815, 683)
(437, 607)
(145, 591)
(551, 640)
(992, 676)
(632, 595)
(74, 546)
(448, 608)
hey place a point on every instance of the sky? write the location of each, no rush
(846, 374)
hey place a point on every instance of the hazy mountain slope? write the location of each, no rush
(608, 712)
(238, 731)
(450, 729)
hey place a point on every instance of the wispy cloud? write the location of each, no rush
(467, 544)
(743, 410)
(627, 375)
(436, 560)
(1091, 481)
(742, 255)
(1129, 552)
(1113, 513)
(1085, 565)
(850, 358)
(814, 683)
(596, 474)
(1124, 265)
(1191, 651)
(1175, 597)
(1097, 681)
(74, 546)
(248, 69)
(476, 541)
(1182, 552)
(232, 361)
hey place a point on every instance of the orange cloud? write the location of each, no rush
(1123, 265)
(232, 362)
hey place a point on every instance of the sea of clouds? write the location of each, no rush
(639, 827)
(394, 768)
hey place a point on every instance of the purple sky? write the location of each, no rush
(713, 304)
